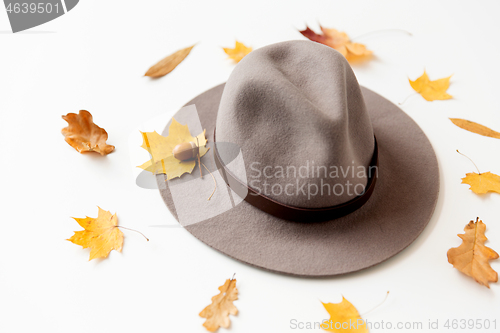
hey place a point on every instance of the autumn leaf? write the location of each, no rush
(101, 234)
(339, 41)
(85, 136)
(475, 128)
(481, 183)
(431, 90)
(343, 318)
(161, 150)
(168, 64)
(472, 256)
(239, 51)
(217, 313)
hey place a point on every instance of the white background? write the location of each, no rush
(94, 57)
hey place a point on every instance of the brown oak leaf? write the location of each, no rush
(85, 136)
(217, 313)
(472, 256)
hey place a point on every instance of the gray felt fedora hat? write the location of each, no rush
(327, 177)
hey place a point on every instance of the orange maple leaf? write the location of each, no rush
(344, 317)
(431, 90)
(481, 183)
(239, 52)
(101, 234)
(338, 40)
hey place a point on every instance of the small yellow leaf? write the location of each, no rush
(101, 234)
(160, 148)
(343, 318)
(239, 51)
(483, 182)
(168, 64)
(217, 313)
(431, 90)
(475, 128)
(472, 256)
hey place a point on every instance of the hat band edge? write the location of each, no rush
(293, 213)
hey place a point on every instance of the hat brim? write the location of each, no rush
(399, 209)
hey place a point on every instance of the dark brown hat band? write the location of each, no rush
(292, 213)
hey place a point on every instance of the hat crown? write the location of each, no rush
(297, 112)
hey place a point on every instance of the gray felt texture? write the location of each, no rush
(297, 104)
(408, 179)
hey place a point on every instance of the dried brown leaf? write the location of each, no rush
(472, 256)
(475, 128)
(168, 64)
(222, 306)
(83, 135)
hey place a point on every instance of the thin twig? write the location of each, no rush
(386, 295)
(119, 226)
(229, 284)
(407, 98)
(381, 31)
(479, 172)
(215, 182)
(199, 158)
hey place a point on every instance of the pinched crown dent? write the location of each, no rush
(297, 112)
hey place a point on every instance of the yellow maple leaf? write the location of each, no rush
(338, 40)
(472, 256)
(481, 183)
(343, 318)
(239, 51)
(161, 150)
(101, 234)
(431, 90)
(217, 313)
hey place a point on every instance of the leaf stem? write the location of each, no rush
(479, 172)
(411, 95)
(386, 295)
(215, 182)
(199, 158)
(230, 281)
(382, 31)
(119, 226)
